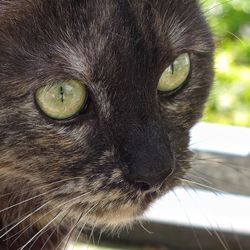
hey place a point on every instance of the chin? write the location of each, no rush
(118, 218)
(116, 214)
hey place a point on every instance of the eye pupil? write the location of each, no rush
(172, 68)
(61, 94)
(61, 100)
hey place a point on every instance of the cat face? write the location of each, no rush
(128, 144)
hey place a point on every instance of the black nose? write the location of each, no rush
(149, 159)
(146, 172)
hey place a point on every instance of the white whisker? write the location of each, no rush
(26, 217)
(30, 240)
(202, 185)
(24, 201)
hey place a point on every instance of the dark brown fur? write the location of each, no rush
(119, 49)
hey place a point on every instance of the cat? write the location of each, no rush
(96, 103)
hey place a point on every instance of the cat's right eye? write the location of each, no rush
(62, 100)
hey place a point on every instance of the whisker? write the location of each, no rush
(190, 174)
(64, 203)
(221, 239)
(24, 201)
(221, 163)
(215, 178)
(144, 228)
(11, 223)
(78, 235)
(100, 236)
(69, 201)
(83, 214)
(27, 190)
(55, 229)
(201, 210)
(49, 223)
(186, 214)
(205, 12)
(33, 223)
(92, 234)
(26, 217)
(237, 37)
(202, 185)
(68, 236)
(236, 237)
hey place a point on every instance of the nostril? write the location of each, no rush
(143, 186)
(147, 182)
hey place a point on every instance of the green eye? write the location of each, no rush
(61, 100)
(176, 74)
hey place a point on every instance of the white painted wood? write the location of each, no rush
(204, 209)
(222, 139)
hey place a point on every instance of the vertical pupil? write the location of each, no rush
(172, 68)
(61, 93)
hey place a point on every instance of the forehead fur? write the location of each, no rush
(114, 47)
(82, 37)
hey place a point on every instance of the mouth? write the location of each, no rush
(117, 207)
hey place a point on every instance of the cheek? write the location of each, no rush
(45, 150)
(179, 136)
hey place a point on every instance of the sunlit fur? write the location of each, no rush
(59, 176)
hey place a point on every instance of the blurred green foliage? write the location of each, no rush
(229, 102)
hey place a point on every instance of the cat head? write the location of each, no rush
(126, 143)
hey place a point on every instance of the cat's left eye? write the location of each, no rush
(61, 100)
(175, 75)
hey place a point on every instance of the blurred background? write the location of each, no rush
(229, 103)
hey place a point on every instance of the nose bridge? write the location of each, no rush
(134, 95)
(148, 138)
(145, 132)
(138, 115)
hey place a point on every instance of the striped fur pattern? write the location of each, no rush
(59, 176)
